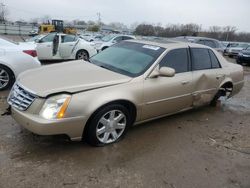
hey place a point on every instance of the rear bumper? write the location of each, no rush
(73, 127)
(237, 87)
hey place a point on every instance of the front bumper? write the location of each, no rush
(243, 59)
(73, 127)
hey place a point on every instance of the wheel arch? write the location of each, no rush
(126, 103)
(9, 67)
(79, 50)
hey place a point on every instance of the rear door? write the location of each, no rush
(164, 95)
(207, 75)
(68, 42)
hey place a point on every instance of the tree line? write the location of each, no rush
(228, 33)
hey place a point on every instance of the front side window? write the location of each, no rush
(128, 58)
(200, 42)
(200, 59)
(176, 59)
(118, 39)
(48, 38)
(210, 43)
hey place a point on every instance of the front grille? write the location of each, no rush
(20, 98)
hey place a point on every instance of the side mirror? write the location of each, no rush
(163, 71)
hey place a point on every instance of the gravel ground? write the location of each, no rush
(207, 147)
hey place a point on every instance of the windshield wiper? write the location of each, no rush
(105, 67)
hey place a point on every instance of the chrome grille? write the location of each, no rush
(20, 98)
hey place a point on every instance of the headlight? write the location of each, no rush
(240, 54)
(55, 107)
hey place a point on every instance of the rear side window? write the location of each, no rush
(127, 38)
(200, 59)
(214, 60)
(176, 59)
(68, 38)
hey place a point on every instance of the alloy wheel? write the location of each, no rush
(82, 55)
(111, 126)
(4, 78)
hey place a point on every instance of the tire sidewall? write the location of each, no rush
(80, 51)
(91, 137)
(11, 77)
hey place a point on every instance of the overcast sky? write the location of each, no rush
(204, 12)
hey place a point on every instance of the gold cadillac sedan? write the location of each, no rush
(128, 83)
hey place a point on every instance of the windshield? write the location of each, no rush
(4, 42)
(107, 38)
(243, 45)
(128, 58)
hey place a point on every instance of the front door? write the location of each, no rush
(45, 47)
(165, 95)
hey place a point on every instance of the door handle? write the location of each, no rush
(184, 82)
(48, 46)
(71, 45)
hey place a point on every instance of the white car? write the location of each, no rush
(59, 46)
(110, 40)
(15, 59)
(35, 39)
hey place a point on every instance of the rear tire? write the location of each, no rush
(108, 125)
(7, 78)
(82, 54)
(224, 91)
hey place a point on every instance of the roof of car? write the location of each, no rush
(169, 43)
(195, 38)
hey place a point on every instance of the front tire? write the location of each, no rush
(108, 125)
(7, 78)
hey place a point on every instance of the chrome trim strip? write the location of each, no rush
(170, 98)
(179, 96)
(240, 82)
(164, 115)
(27, 90)
(205, 90)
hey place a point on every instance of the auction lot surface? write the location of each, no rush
(207, 147)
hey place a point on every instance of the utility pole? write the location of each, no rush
(99, 19)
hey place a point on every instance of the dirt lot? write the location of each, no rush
(207, 147)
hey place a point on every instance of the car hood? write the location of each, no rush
(72, 77)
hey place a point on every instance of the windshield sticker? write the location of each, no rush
(151, 47)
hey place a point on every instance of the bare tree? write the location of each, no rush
(3, 12)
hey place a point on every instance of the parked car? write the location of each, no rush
(128, 83)
(110, 40)
(244, 56)
(15, 59)
(234, 50)
(34, 39)
(212, 43)
(59, 46)
(228, 46)
(91, 37)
